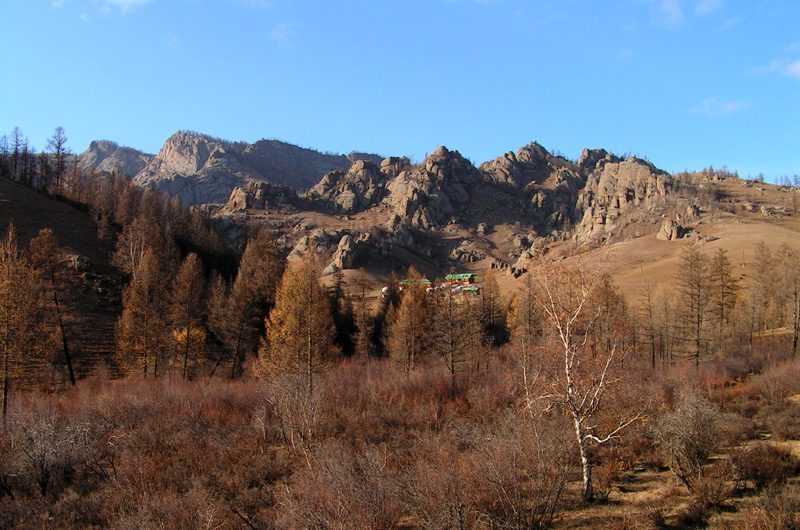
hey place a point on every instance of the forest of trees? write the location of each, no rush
(244, 394)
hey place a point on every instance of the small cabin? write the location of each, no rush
(459, 279)
(426, 283)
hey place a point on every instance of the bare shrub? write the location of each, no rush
(784, 423)
(764, 464)
(688, 435)
(436, 488)
(779, 382)
(345, 487)
(46, 443)
(776, 509)
(735, 429)
(524, 471)
(605, 474)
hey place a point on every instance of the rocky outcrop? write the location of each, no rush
(355, 190)
(514, 171)
(262, 196)
(670, 231)
(199, 169)
(430, 195)
(394, 165)
(547, 184)
(613, 189)
(106, 157)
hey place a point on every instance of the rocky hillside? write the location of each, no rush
(200, 169)
(106, 157)
(445, 212)
(441, 214)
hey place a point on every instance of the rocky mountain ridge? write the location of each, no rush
(199, 169)
(505, 212)
(443, 211)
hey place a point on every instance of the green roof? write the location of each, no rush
(423, 281)
(462, 276)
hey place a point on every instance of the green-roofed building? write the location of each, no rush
(424, 281)
(466, 278)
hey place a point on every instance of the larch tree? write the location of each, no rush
(723, 289)
(46, 257)
(21, 336)
(492, 306)
(455, 331)
(362, 317)
(299, 330)
(57, 146)
(142, 331)
(236, 319)
(186, 311)
(580, 381)
(647, 322)
(525, 327)
(691, 282)
(790, 273)
(763, 287)
(408, 336)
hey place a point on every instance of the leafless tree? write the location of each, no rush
(586, 376)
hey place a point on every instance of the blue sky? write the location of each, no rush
(685, 83)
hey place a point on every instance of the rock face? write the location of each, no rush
(106, 157)
(355, 190)
(262, 196)
(613, 189)
(546, 184)
(429, 195)
(199, 169)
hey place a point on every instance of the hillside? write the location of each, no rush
(93, 288)
(516, 211)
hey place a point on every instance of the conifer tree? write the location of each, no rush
(236, 318)
(46, 256)
(362, 338)
(299, 330)
(21, 337)
(790, 285)
(691, 282)
(141, 329)
(408, 334)
(455, 331)
(188, 291)
(491, 310)
(723, 290)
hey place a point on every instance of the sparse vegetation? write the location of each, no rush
(681, 413)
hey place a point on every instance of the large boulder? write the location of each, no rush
(262, 196)
(670, 231)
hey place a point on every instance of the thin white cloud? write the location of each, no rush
(173, 42)
(58, 3)
(714, 108)
(624, 54)
(667, 13)
(124, 5)
(786, 67)
(84, 16)
(705, 7)
(283, 35)
(261, 4)
(731, 23)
